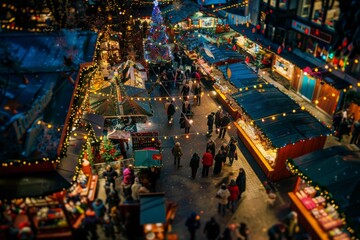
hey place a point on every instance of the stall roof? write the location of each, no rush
(261, 104)
(266, 43)
(337, 170)
(241, 75)
(43, 67)
(180, 13)
(222, 53)
(152, 208)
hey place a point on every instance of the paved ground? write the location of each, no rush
(199, 195)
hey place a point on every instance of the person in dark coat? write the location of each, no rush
(185, 91)
(212, 229)
(224, 122)
(219, 162)
(171, 111)
(232, 150)
(355, 133)
(210, 123)
(90, 222)
(110, 175)
(112, 200)
(243, 231)
(241, 181)
(218, 116)
(342, 129)
(194, 164)
(336, 121)
(277, 231)
(177, 153)
(193, 223)
(211, 146)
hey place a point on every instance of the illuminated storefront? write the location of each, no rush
(284, 68)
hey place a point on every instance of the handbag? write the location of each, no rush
(236, 156)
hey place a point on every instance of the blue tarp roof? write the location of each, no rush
(175, 15)
(152, 208)
(261, 104)
(336, 170)
(222, 53)
(241, 75)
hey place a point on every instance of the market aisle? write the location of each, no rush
(199, 195)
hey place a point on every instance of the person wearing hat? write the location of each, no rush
(222, 196)
(234, 194)
(177, 153)
(291, 225)
(210, 123)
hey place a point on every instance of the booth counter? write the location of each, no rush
(326, 208)
(274, 128)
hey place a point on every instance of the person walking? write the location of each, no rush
(276, 231)
(222, 195)
(193, 223)
(218, 117)
(241, 182)
(177, 153)
(211, 146)
(187, 123)
(224, 122)
(232, 151)
(194, 164)
(291, 225)
(342, 129)
(197, 93)
(99, 209)
(170, 112)
(112, 200)
(210, 123)
(219, 160)
(355, 132)
(110, 175)
(207, 161)
(186, 108)
(185, 91)
(136, 189)
(243, 232)
(212, 229)
(234, 195)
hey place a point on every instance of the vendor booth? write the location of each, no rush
(235, 76)
(274, 128)
(326, 196)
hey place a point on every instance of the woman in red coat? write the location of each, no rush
(234, 194)
(207, 161)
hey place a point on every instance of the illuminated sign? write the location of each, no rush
(316, 33)
(300, 27)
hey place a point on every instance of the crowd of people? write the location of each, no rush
(345, 124)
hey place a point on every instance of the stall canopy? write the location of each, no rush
(279, 117)
(152, 208)
(223, 53)
(150, 157)
(241, 75)
(177, 13)
(336, 170)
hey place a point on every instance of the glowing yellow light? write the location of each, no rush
(326, 66)
(316, 101)
(273, 117)
(49, 125)
(39, 122)
(284, 114)
(356, 61)
(302, 108)
(294, 111)
(85, 137)
(152, 139)
(187, 136)
(316, 69)
(263, 120)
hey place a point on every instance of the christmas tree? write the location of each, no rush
(157, 50)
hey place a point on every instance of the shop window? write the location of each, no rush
(273, 3)
(310, 46)
(332, 14)
(283, 4)
(318, 12)
(304, 8)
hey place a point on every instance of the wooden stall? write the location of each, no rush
(274, 128)
(326, 208)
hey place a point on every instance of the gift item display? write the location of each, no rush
(326, 193)
(329, 223)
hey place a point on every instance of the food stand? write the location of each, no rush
(274, 128)
(326, 196)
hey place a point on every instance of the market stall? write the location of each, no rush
(326, 195)
(274, 128)
(234, 77)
